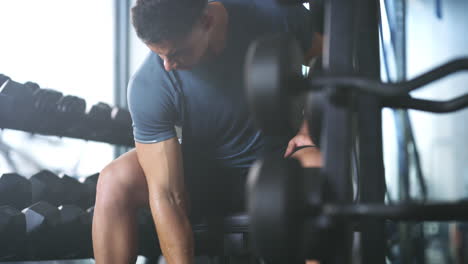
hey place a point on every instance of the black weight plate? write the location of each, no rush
(314, 114)
(276, 204)
(273, 64)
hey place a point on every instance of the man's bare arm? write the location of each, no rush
(163, 167)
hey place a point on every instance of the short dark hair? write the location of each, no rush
(161, 20)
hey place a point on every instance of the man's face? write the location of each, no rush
(183, 54)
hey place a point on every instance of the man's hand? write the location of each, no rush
(308, 157)
(299, 140)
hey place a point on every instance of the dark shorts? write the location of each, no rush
(216, 191)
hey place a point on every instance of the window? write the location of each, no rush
(67, 46)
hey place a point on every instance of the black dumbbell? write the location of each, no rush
(273, 78)
(57, 233)
(99, 120)
(12, 232)
(100, 112)
(280, 195)
(88, 246)
(3, 79)
(45, 106)
(6, 104)
(74, 192)
(45, 100)
(74, 233)
(314, 112)
(15, 190)
(71, 105)
(21, 101)
(62, 190)
(32, 86)
(47, 187)
(70, 113)
(7, 107)
(121, 117)
(90, 184)
(42, 230)
(122, 123)
(147, 238)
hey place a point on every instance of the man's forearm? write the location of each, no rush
(162, 164)
(173, 227)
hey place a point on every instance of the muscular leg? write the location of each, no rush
(121, 190)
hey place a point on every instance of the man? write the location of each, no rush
(192, 78)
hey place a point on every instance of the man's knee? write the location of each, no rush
(120, 182)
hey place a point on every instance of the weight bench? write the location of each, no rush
(226, 240)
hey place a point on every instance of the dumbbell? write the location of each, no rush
(52, 232)
(61, 190)
(99, 121)
(75, 232)
(88, 247)
(273, 78)
(45, 100)
(121, 117)
(20, 99)
(280, 196)
(45, 110)
(6, 108)
(70, 114)
(12, 232)
(32, 86)
(75, 192)
(314, 111)
(15, 190)
(6, 103)
(100, 113)
(274, 82)
(122, 122)
(90, 183)
(3, 79)
(71, 105)
(47, 187)
(147, 238)
(42, 222)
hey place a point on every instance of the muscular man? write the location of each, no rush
(193, 79)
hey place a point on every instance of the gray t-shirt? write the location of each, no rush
(208, 100)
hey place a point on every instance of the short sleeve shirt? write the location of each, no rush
(208, 101)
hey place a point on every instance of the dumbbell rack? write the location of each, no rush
(48, 217)
(29, 108)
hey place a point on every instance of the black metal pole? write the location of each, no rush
(369, 118)
(338, 60)
(399, 212)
